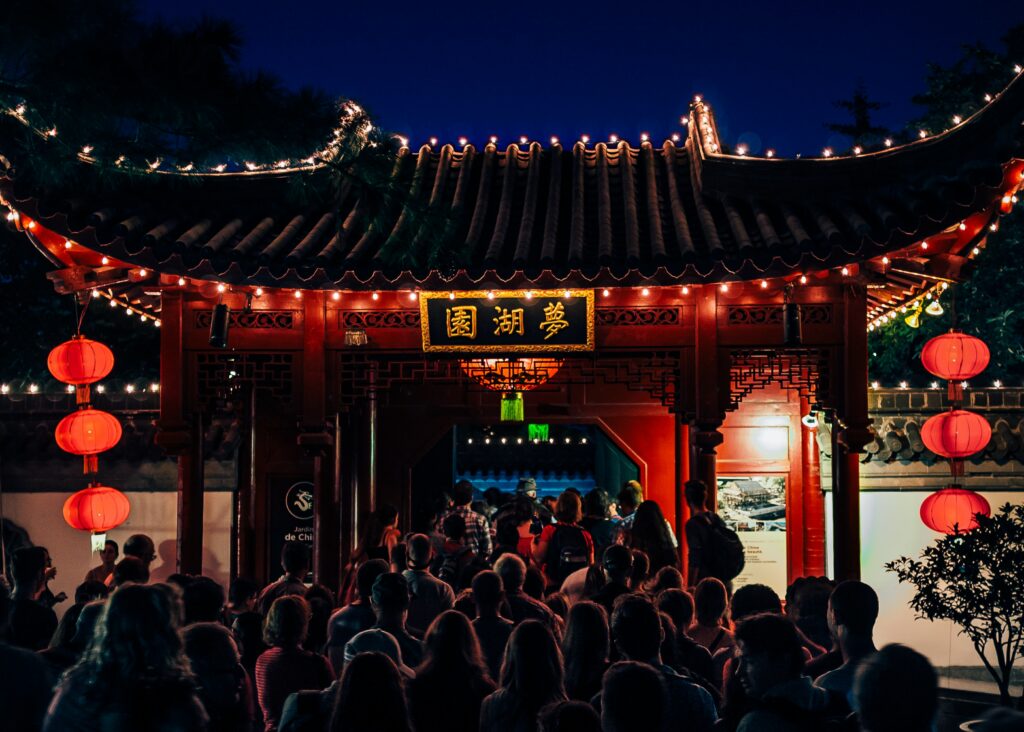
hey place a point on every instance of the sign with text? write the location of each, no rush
(290, 516)
(755, 507)
(518, 321)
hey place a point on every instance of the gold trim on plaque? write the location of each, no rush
(588, 295)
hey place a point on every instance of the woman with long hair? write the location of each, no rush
(531, 677)
(380, 535)
(651, 534)
(711, 603)
(370, 697)
(585, 647)
(134, 675)
(452, 679)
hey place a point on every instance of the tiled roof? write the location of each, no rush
(601, 215)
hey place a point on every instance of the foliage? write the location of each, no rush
(987, 304)
(976, 580)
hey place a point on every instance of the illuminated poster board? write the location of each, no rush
(755, 507)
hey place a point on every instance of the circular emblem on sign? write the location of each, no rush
(299, 501)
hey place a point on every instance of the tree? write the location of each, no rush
(987, 304)
(976, 579)
(860, 131)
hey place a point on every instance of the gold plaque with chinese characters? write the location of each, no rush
(510, 321)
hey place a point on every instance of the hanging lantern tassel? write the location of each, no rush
(512, 406)
(98, 542)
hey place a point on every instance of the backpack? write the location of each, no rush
(725, 550)
(567, 552)
(449, 568)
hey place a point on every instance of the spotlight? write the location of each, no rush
(219, 326)
(809, 421)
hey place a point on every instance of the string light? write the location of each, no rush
(566, 294)
(885, 260)
(605, 292)
(335, 295)
(463, 141)
(723, 287)
(997, 384)
(922, 134)
(222, 288)
(298, 294)
(523, 139)
(645, 292)
(644, 137)
(857, 150)
(412, 295)
(95, 293)
(933, 385)
(181, 282)
(584, 139)
(67, 244)
(803, 279)
(827, 152)
(143, 273)
(375, 296)
(433, 142)
(490, 295)
(845, 271)
(613, 139)
(259, 292)
(770, 153)
(451, 295)
(924, 244)
(874, 384)
(529, 294)
(104, 260)
(675, 137)
(888, 142)
(686, 290)
(764, 284)
(741, 150)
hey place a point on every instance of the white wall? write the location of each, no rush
(891, 527)
(154, 514)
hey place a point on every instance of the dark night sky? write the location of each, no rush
(770, 69)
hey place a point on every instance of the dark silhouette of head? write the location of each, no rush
(636, 628)
(487, 591)
(696, 494)
(91, 590)
(667, 578)
(141, 547)
(367, 574)
(853, 608)
(204, 601)
(390, 597)
(896, 690)
(370, 675)
(242, 594)
(617, 563)
(419, 551)
(130, 570)
(585, 644)
(753, 600)
(595, 503)
(633, 698)
(770, 652)
(454, 527)
(532, 668)
(710, 601)
(287, 622)
(29, 569)
(451, 649)
(295, 560)
(650, 532)
(631, 495)
(678, 605)
(462, 494)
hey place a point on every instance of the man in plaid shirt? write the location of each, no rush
(478, 532)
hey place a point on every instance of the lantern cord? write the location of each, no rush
(80, 316)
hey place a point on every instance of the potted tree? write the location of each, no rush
(976, 579)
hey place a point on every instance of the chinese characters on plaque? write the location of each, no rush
(517, 321)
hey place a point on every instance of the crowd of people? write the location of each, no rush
(509, 614)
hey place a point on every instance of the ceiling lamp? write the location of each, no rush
(511, 376)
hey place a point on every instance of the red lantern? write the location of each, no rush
(955, 356)
(511, 374)
(956, 434)
(953, 509)
(88, 432)
(97, 509)
(80, 361)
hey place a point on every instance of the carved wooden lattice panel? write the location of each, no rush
(656, 374)
(379, 319)
(271, 374)
(267, 319)
(803, 369)
(772, 314)
(637, 316)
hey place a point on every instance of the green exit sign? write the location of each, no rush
(538, 431)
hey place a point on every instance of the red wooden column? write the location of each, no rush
(707, 436)
(316, 439)
(177, 436)
(853, 434)
(682, 474)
